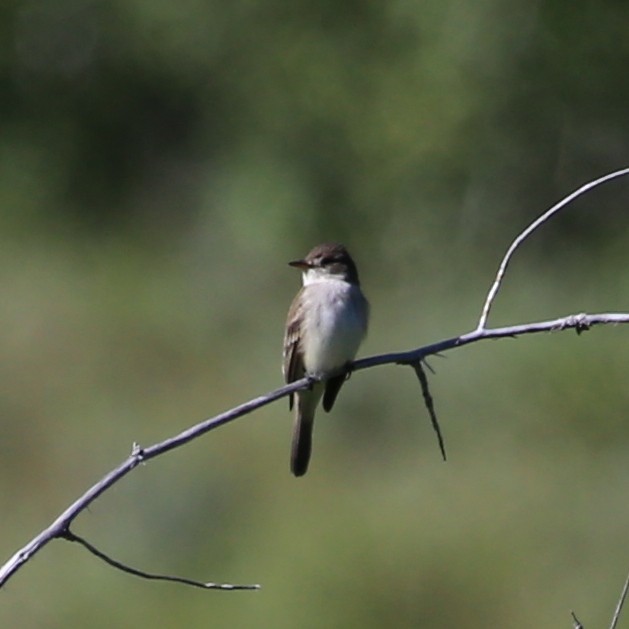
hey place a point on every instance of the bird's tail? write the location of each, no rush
(302, 432)
(302, 445)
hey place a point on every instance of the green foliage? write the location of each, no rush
(160, 162)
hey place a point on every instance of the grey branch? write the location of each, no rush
(619, 606)
(60, 528)
(621, 602)
(530, 229)
(576, 622)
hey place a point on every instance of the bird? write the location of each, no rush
(327, 321)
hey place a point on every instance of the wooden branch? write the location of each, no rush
(621, 601)
(71, 537)
(530, 229)
(619, 606)
(60, 528)
(579, 322)
(576, 623)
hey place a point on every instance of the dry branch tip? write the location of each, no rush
(430, 406)
(68, 535)
(577, 622)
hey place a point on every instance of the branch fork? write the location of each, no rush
(60, 528)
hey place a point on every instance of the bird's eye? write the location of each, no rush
(327, 260)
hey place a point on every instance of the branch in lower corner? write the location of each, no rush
(71, 537)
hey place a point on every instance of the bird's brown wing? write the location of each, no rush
(293, 366)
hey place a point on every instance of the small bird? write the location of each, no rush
(326, 323)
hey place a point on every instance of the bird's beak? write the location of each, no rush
(300, 264)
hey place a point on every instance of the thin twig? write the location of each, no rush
(139, 455)
(530, 229)
(621, 602)
(577, 622)
(430, 405)
(72, 537)
(579, 322)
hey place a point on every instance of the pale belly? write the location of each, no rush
(335, 326)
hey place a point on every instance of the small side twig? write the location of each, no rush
(428, 401)
(72, 537)
(529, 230)
(577, 622)
(621, 602)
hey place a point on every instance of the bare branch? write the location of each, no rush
(621, 602)
(577, 623)
(138, 455)
(71, 537)
(530, 229)
(579, 322)
(58, 528)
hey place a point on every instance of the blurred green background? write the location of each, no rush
(161, 161)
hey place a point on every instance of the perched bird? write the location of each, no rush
(326, 323)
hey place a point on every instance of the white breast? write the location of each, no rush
(335, 324)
